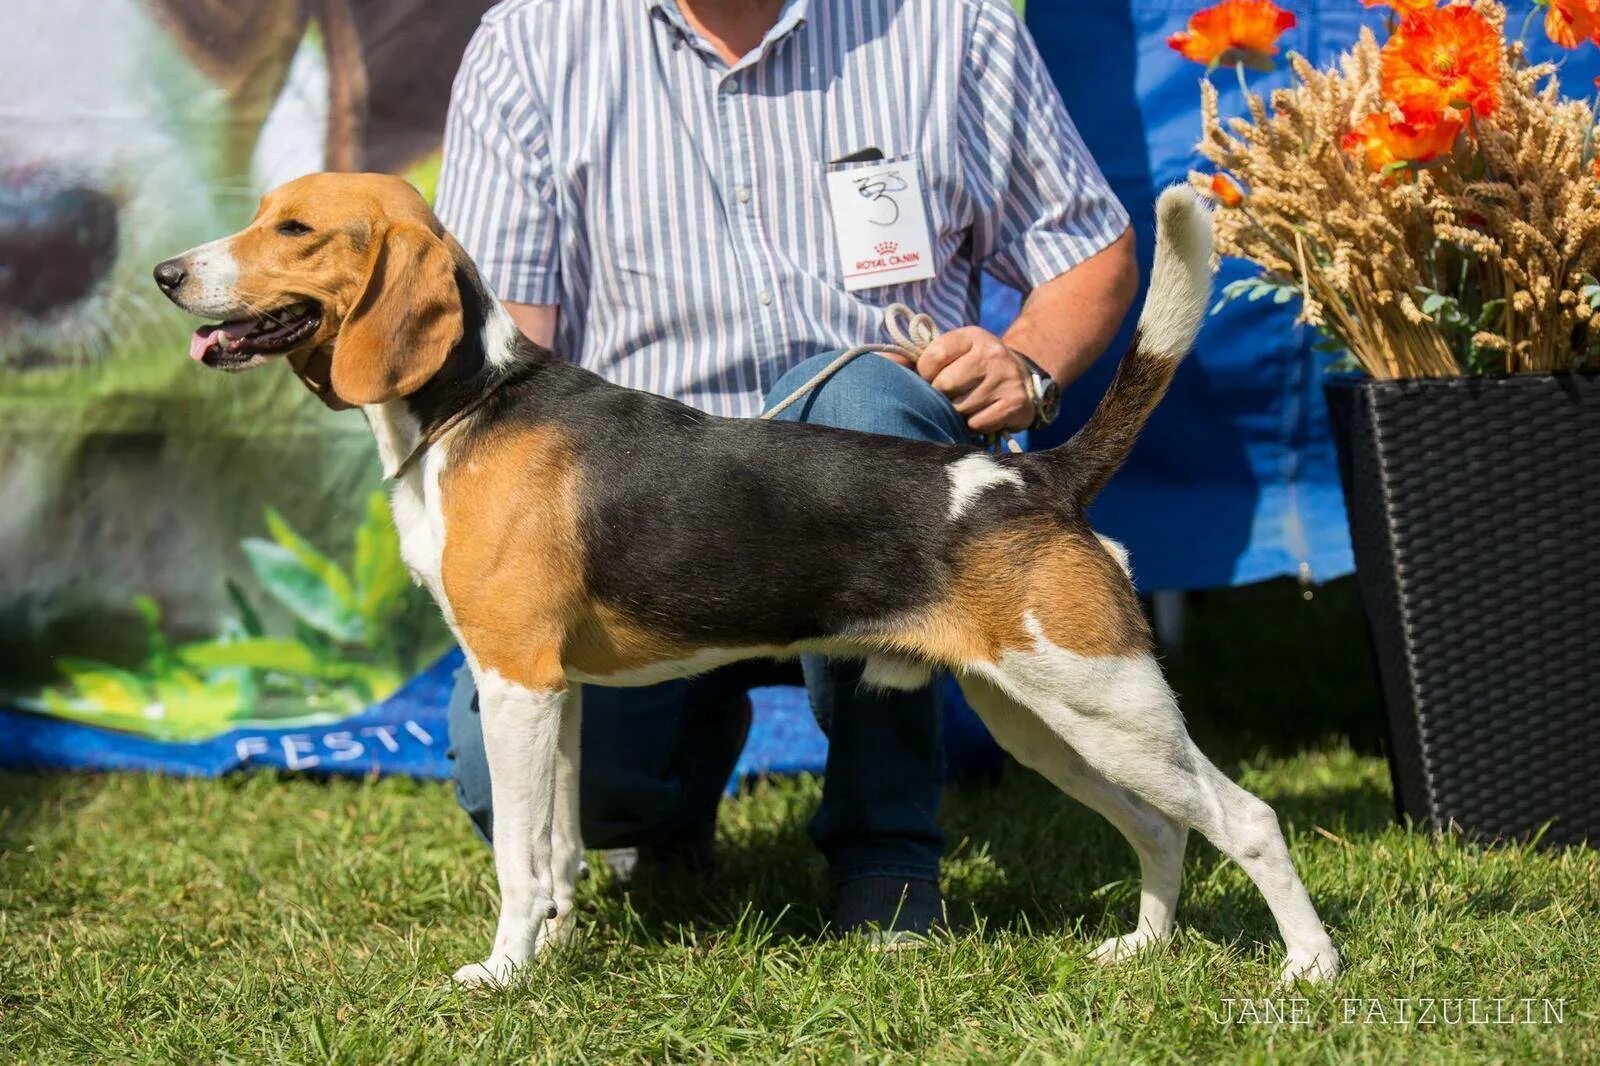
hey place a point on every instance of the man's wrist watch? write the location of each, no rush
(1043, 391)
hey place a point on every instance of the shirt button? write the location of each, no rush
(744, 194)
(730, 87)
(765, 298)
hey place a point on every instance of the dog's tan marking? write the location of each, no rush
(513, 567)
(606, 640)
(1063, 577)
(513, 561)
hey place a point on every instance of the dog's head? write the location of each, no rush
(349, 277)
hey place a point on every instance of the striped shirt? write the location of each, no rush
(600, 156)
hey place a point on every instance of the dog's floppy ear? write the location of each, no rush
(404, 324)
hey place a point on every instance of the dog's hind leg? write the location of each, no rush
(1156, 839)
(521, 737)
(1119, 715)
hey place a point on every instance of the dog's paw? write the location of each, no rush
(1122, 948)
(496, 971)
(1310, 966)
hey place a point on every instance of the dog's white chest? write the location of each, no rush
(419, 520)
(415, 500)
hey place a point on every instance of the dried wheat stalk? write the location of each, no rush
(1508, 230)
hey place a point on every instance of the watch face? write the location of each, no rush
(1049, 401)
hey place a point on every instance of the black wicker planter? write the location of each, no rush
(1474, 509)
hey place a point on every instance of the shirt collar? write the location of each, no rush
(792, 14)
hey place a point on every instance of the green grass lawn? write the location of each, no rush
(290, 918)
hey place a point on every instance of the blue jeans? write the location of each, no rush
(656, 759)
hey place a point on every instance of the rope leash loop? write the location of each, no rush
(910, 332)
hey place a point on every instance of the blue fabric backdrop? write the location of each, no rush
(1233, 482)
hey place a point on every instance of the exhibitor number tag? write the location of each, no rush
(880, 224)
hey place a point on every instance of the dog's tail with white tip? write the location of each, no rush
(1180, 288)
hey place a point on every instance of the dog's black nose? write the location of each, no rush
(55, 244)
(170, 274)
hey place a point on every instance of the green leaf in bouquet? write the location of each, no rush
(1489, 313)
(1232, 291)
(301, 589)
(330, 573)
(382, 580)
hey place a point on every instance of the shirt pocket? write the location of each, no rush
(933, 195)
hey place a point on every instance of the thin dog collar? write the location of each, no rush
(436, 434)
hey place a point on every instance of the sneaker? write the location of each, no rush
(693, 854)
(692, 851)
(892, 912)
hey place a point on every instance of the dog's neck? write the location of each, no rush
(491, 350)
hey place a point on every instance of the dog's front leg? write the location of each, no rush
(521, 731)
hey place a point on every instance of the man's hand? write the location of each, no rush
(985, 380)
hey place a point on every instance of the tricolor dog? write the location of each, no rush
(577, 533)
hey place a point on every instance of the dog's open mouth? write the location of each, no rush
(247, 342)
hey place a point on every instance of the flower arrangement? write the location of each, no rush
(1433, 201)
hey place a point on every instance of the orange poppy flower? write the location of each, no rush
(1226, 190)
(1569, 23)
(1405, 7)
(1386, 142)
(1443, 60)
(1234, 31)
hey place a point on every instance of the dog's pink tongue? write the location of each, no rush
(207, 337)
(204, 339)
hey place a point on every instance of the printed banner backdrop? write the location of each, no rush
(188, 561)
(198, 574)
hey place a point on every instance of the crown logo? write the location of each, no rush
(885, 247)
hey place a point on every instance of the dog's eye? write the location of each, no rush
(292, 228)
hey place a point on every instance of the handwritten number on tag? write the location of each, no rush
(876, 188)
(880, 223)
